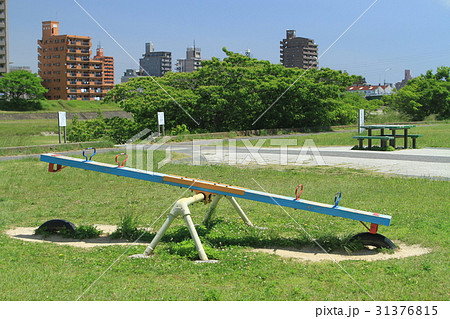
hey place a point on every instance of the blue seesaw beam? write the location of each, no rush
(218, 188)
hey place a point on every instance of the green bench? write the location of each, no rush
(384, 138)
(370, 138)
(413, 137)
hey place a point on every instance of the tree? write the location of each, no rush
(20, 86)
(424, 95)
(241, 93)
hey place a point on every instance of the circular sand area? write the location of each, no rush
(313, 254)
(27, 234)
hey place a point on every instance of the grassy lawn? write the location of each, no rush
(29, 195)
(35, 133)
(73, 106)
(78, 106)
(28, 132)
(436, 135)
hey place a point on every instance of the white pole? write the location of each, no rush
(180, 208)
(239, 210)
(360, 121)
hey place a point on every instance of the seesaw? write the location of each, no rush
(212, 192)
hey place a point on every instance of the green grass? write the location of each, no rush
(433, 135)
(73, 106)
(29, 196)
(387, 116)
(78, 106)
(35, 133)
(28, 132)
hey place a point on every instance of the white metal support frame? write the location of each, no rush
(233, 202)
(181, 208)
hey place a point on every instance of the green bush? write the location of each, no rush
(20, 105)
(180, 130)
(424, 95)
(187, 249)
(21, 91)
(116, 129)
(128, 228)
(83, 232)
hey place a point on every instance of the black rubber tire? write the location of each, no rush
(377, 240)
(55, 225)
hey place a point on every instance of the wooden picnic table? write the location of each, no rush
(392, 128)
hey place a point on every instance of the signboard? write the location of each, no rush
(62, 118)
(160, 118)
(360, 121)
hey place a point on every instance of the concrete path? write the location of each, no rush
(426, 163)
(433, 163)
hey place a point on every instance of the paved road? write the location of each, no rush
(427, 162)
(431, 163)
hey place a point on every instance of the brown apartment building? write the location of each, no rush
(67, 69)
(298, 52)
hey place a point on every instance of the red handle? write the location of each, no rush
(123, 162)
(297, 195)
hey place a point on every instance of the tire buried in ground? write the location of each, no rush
(55, 225)
(377, 240)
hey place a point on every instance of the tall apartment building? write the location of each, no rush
(297, 52)
(403, 82)
(4, 55)
(155, 63)
(108, 66)
(192, 62)
(67, 69)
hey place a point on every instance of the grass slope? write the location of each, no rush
(72, 106)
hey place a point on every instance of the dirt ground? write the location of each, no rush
(307, 254)
(315, 254)
(27, 234)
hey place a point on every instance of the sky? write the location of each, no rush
(393, 35)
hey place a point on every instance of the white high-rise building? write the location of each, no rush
(4, 56)
(192, 62)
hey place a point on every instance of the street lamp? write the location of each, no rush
(385, 75)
